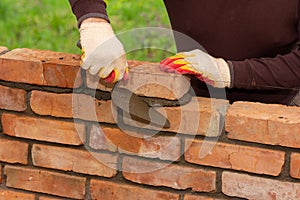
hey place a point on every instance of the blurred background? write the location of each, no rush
(51, 25)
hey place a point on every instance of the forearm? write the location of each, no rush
(84, 9)
(280, 72)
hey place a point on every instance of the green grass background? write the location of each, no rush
(51, 25)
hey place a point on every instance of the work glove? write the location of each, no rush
(102, 52)
(213, 71)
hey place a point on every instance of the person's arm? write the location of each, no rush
(280, 72)
(84, 9)
(283, 71)
(102, 52)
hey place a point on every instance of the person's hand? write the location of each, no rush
(213, 71)
(102, 52)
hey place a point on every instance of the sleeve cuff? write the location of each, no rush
(84, 9)
(231, 70)
(89, 15)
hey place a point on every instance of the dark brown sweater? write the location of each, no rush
(258, 38)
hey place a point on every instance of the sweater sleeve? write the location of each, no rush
(84, 9)
(280, 72)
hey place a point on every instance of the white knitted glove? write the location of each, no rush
(103, 53)
(213, 71)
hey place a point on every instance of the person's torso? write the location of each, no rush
(237, 29)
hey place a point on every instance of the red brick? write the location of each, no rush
(13, 195)
(99, 141)
(146, 79)
(108, 190)
(121, 140)
(231, 156)
(45, 103)
(45, 182)
(79, 161)
(162, 147)
(12, 99)
(43, 129)
(201, 116)
(40, 67)
(251, 187)
(3, 48)
(169, 175)
(71, 106)
(49, 198)
(295, 165)
(194, 197)
(95, 83)
(13, 151)
(264, 123)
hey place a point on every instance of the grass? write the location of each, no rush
(41, 24)
(51, 25)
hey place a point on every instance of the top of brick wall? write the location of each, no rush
(48, 68)
(253, 122)
(38, 67)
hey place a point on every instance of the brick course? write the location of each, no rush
(40, 67)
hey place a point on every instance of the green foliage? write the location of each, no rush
(50, 24)
(40, 24)
(128, 15)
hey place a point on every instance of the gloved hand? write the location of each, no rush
(102, 52)
(213, 71)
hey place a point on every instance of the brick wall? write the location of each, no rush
(60, 138)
